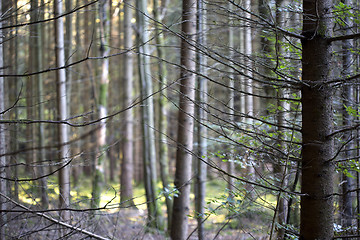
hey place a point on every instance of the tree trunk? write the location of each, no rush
(147, 112)
(14, 91)
(3, 160)
(38, 64)
(64, 172)
(163, 110)
(282, 107)
(317, 119)
(231, 165)
(98, 179)
(68, 51)
(179, 226)
(127, 169)
(347, 98)
(202, 117)
(249, 99)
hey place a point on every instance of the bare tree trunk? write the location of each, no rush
(357, 101)
(68, 50)
(317, 119)
(347, 98)
(41, 130)
(15, 88)
(98, 179)
(3, 160)
(147, 112)
(179, 227)
(231, 166)
(249, 99)
(127, 169)
(64, 172)
(202, 117)
(282, 107)
(163, 109)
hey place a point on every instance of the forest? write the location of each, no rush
(169, 119)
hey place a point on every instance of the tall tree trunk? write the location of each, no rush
(38, 65)
(98, 179)
(249, 99)
(3, 159)
(12, 97)
(163, 109)
(30, 88)
(64, 172)
(317, 119)
(147, 112)
(68, 50)
(201, 116)
(231, 166)
(248, 105)
(347, 98)
(179, 226)
(127, 169)
(282, 107)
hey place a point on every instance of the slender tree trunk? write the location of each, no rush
(3, 160)
(147, 112)
(14, 91)
(68, 51)
(127, 169)
(179, 226)
(347, 97)
(248, 105)
(38, 60)
(100, 159)
(357, 101)
(282, 107)
(201, 116)
(30, 87)
(317, 119)
(64, 172)
(163, 110)
(249, 99)
(231, 166)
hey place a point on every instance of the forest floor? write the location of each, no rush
(125, 224)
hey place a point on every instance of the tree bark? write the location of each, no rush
(38, 65)
(201, 120)
(317, 119)
(348, 99)
(179, 227)
(163, 109)
(99, 164)
(127, 169)
(3, 160)
(64, 172)
(231, 165)
(147, 114)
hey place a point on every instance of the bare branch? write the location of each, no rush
(344, 37)
(56, 221)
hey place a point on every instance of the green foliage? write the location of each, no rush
(352, 112)
(343, 11)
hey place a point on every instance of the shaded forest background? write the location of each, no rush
(157, 119)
